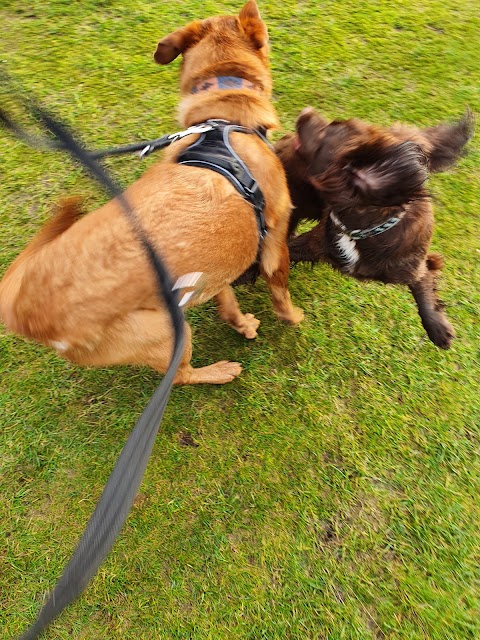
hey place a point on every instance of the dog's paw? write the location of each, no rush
(221, 372)
(294, 316)
(441, 333)
(218, 373)
(248, 326)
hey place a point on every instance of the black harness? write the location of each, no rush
(213, 151)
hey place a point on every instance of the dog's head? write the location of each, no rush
(218, 45)
(355, 164)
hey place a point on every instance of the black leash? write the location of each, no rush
(149, 146)
(122, 485)
(146, 147)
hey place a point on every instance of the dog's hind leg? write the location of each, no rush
(435, 322)
(144, 337)
(277, 282)
(227, 305)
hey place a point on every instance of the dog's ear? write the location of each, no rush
(447, 142)
(177, 42)
(253, 25)
(385, 175)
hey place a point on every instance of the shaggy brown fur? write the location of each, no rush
(85, 286)
(366, 175)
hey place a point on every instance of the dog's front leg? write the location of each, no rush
(435, 322)
(277, 282)
(227, 305)
(310, 246)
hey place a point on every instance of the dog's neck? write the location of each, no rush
(354, 220)
(228, 96)
(366, 232)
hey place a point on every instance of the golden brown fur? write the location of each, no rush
(86, 288)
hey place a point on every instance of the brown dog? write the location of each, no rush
(84, 285)
(365, 186)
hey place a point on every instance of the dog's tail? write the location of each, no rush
(447, 142)
(434, 262)
(442, 144)
(67, 212)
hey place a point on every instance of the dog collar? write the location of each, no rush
(224, 82)
(361, 234)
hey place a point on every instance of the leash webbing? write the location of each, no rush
(121, 487)
(149, 146)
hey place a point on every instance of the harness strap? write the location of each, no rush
(213, 151)
(145, 147)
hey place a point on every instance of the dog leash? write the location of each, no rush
(145, 148)
(149, 146)
(117, 497)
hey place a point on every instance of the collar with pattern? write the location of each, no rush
(224, 82)
(361, 234)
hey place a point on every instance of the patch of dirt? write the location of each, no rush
(186, 439)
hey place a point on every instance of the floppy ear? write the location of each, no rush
(385, 175)
(177, 42)
(253, 25)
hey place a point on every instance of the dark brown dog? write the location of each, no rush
(365, 185)
(84, 285)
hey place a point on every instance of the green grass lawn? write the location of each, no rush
(334, 490)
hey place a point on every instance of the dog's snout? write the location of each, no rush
(306, 112)
(304, 116)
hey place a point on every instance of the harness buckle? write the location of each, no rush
(196, 128)
(145, 151)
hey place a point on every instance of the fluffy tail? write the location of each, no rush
(443, 144)
(68, 211)
(447, 142)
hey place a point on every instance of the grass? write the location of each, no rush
(334, 490)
